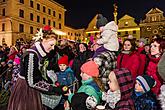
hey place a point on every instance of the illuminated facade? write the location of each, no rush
(153, 24)
(74, 34)
(127, 26)
(22, 18)
(91, 30)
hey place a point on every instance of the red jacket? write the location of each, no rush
(153, 72)
(130, 61)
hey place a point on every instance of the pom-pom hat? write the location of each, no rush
(101, 21)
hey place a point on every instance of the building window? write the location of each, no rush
(21, 1)
(54, 13)
(49, 22)
(49, 11)
(21, 28)
(4, 0)
(44, 20)
(44, 9)
(3, 12)
(126, 32)
(31, 30)
(38, 19)
(71, 34)
(38, 6)
(21, 13)
(119, 33)
(31, 3)
(3, 26)
(134, 32)
(54, 24)
(126, 24)
(59, 16)
(59, 25)
(31, 16)
(68, 33)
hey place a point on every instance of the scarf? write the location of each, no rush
(111, 97)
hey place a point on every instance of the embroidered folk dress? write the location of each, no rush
(32, 82)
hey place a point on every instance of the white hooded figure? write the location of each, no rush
(109, 37)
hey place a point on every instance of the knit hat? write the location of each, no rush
(90, 68)
(82, 101)
(101, 21)
(146, 82)
(63, 60)
(10, 62)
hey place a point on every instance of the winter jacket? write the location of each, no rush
(146, 101)
(106, 60)
(125, 82)
(109, 37)
(90, 88)
(131, 61)
(152, 71)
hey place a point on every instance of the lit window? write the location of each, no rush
(126, 24)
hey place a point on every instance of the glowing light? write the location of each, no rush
(58, 32)
(92, 32)
(132, 29)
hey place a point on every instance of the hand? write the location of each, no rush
(69, 93)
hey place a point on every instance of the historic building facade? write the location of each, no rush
(127, 26)
(153, 24)
(22, 19)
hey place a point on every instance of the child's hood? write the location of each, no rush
(125, 82)
(111, 26)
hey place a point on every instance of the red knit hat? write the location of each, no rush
(63, 60)
(90, 68)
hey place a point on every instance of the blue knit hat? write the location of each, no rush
(146, 82)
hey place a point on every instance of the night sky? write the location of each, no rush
(80, 12)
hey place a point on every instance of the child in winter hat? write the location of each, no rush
(101, 21)
(89, 71)
(144, 98)
(64, 77)
(121, 86)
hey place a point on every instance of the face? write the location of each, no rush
(147, 48)
(49, 44)
(95, 47)
(138, 87)
(84, 76)
(113, 84)
(155, 48)
(10, 65)
(63, 67)
(82, 48)
(127, 45)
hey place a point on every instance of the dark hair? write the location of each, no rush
(132, 41)
(49, 34)
(161, 42)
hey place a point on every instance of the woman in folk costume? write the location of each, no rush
(36, 84)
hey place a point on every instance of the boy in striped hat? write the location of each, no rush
(143, 97)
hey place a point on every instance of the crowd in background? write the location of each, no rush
(118, 74)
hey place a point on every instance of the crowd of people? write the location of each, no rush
(105, 74)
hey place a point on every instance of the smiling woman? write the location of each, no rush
(36, 85)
